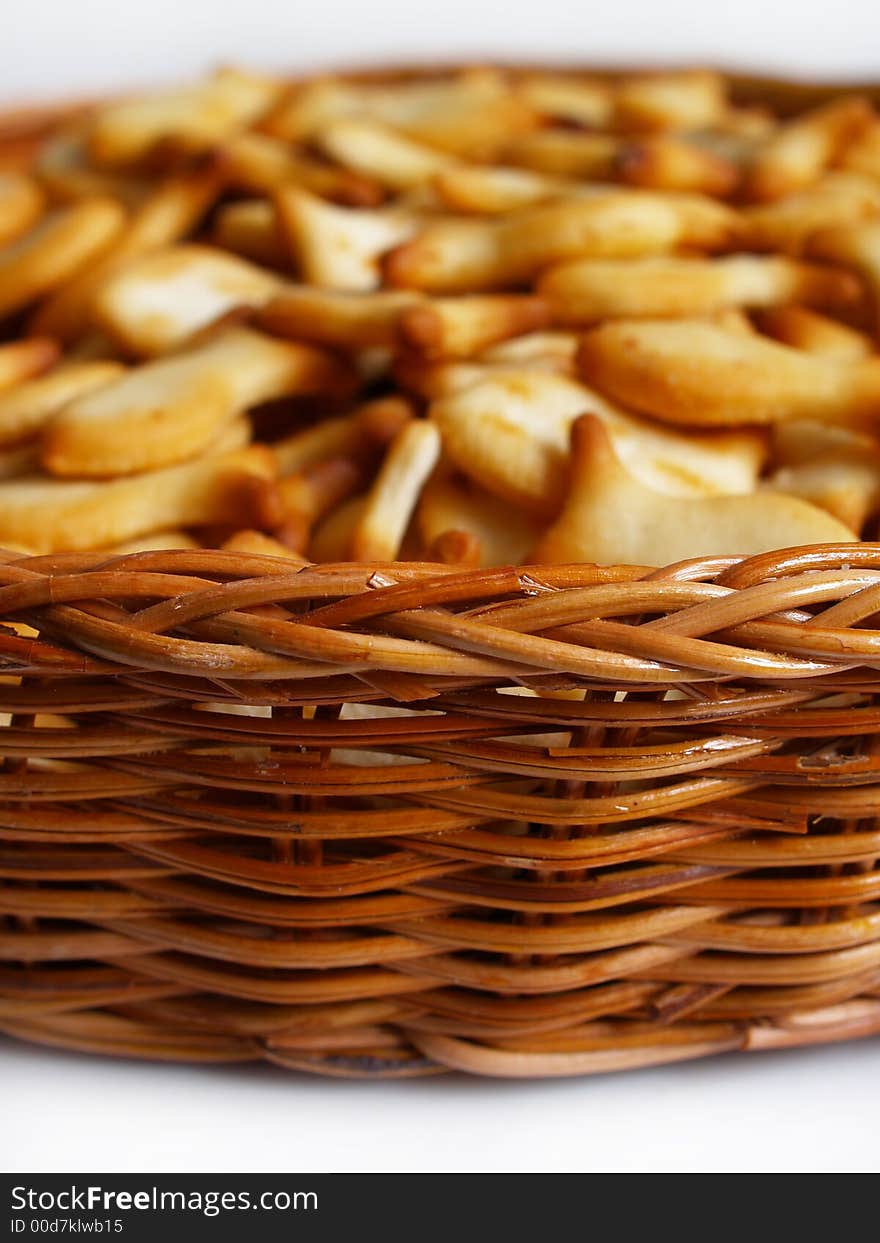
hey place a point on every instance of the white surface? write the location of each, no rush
(802, 1111)
(813, 1110)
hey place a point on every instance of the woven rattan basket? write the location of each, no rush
(679, 861)
(393, 820)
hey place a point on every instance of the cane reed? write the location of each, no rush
(399, 819)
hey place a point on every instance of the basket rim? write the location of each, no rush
(34, 112)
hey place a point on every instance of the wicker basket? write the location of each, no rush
(533, 821)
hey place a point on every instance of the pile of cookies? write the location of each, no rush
(483, 317)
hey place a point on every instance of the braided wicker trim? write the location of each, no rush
(569, 819)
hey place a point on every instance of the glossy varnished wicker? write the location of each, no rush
(661, 845)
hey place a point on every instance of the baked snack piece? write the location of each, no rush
(483, 316)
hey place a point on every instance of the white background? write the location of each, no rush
(53, 46)
(813, 1110)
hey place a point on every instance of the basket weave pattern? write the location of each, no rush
(392, 820)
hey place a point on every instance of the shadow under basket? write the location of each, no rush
(395, 820)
